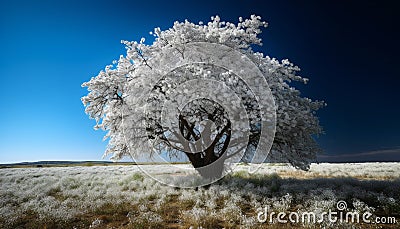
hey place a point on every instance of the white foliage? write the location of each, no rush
(127, 80)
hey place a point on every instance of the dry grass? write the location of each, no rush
(121, 197)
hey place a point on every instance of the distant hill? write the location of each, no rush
(388, 155)
(72, 163)
(58, 162)
(63, 164)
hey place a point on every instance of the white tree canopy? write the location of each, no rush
(126, 98)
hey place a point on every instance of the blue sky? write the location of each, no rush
(49, 48)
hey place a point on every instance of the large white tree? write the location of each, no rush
(132, 99)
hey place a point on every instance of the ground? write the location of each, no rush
(121, 196)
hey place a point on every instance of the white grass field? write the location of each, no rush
(120, 196)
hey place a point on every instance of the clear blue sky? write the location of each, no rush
(49, 48)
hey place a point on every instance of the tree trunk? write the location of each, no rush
(207, 166)
(210, 162)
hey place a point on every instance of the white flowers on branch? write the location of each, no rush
(127, 82)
